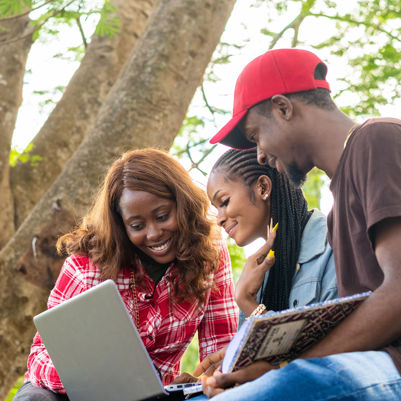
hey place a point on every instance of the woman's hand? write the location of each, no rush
(253, 274)
(219, 382)
(210, 364)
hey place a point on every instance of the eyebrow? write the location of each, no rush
(153, 211)
(215, 195)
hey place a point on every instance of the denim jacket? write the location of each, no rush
(315, 277)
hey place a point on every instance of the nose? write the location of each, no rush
(154, 232)
(221, 218)
(261, 156)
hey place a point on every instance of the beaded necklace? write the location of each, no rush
(132, 286)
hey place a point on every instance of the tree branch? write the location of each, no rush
(81, 30)
(294, 24)
(11, 17)
(354, 22)
(194, 145)
(38, 26)
(210, 108)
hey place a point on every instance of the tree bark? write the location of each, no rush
(75, 113)
(144, 108)
(13, 56)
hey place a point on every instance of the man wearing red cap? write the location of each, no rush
(282, 105)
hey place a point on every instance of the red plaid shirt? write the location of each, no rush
(166, 328)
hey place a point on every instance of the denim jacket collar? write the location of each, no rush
(313, 243)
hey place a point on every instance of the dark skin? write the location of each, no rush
(323, 133)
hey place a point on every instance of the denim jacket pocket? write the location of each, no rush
(305, 292)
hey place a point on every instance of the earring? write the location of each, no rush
(265, 196)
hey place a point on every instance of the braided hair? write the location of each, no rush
(288, 206)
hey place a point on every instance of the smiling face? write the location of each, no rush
(277, 143)
(243, 218)
(150, 223)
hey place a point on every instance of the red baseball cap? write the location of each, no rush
(276, 72)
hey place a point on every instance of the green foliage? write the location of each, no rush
(191, 356)
(12, 7)
(237, 257)
(365, 35)
(48, 17)
(108, 24)
(14, 390)
(313, 186)
(189, 145)
(192, 141)
(25, 156)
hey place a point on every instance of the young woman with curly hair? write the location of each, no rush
(149, 231)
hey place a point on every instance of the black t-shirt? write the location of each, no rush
(367, 189)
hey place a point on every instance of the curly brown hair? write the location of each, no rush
(102, 237)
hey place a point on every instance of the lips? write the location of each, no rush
(230, 229)
(161, 248)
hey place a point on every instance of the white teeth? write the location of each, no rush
(161, 247)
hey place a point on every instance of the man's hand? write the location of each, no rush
(219, 382)
(210, 363)
(185, 378)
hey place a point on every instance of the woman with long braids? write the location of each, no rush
(149, 231)
(252, 199)
(294, 267)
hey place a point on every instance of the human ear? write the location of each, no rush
(263, 187)
(283, 105)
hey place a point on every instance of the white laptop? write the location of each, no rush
(97, 350)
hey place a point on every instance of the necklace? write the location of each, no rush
(350, 132)
(132, 285)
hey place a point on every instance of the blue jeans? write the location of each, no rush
(354, 376)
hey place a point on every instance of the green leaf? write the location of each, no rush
(237, 257)
(24, 157)
(109, 24)
(13, 7)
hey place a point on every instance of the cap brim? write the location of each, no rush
(231, 135)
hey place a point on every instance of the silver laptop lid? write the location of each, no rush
(96, 348)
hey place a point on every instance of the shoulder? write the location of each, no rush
(314, 237)
(372, 152)
(376, 132)
(81, 268)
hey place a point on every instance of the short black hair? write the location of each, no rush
(319, 97)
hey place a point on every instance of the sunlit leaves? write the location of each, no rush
(312, 188)
(366, 35)
(109, 24)
(26, 156)
(12, 7)
(237, 257)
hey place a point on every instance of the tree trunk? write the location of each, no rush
(15, 43)
(75, 113)
(145, 108)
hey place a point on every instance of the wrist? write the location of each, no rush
(259, 310)
(247, 305)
